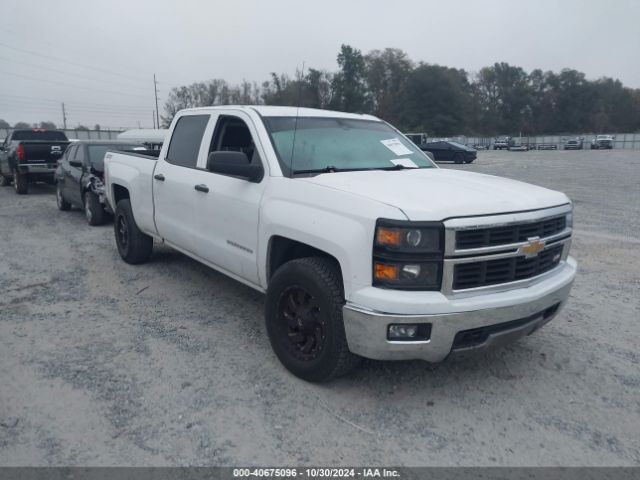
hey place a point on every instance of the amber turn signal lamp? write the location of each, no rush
(388, 236)
(386, 272)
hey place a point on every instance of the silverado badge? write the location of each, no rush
(532, 248)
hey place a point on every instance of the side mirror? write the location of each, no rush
(235, 164)
(75, 163)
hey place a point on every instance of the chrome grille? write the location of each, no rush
(504, 270)
(504, 235)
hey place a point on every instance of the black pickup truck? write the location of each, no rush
(28, 156)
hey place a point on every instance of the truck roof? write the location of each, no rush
(275, 111)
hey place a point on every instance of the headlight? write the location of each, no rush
(427, 239)
(408, 255)
(570, 219)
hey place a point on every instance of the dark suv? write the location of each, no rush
(80, 175)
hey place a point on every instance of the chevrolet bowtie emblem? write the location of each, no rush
(532, 248)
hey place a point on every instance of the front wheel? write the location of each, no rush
(134, 246)
(93, 209)
(458, 158)
(62, 203)
(304, 319)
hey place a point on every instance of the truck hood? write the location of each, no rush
(438, 194)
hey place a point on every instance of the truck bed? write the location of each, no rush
(136, 170)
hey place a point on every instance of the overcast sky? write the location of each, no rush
(99, 57)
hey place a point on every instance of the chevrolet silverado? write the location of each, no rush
(363, 246)
(28, 156)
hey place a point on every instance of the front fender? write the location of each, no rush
(335, 222)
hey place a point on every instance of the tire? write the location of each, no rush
(312, 285)
(458, 158)
(133, 246)
(469, 160)
(93, 209)
(4, 180)
(62, 203)
(21, 184)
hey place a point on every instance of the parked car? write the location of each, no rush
(417, 138)
(503, 143)
(573, 144)
(602, 142)
(80, 175)
(480, 146)
(30, 155)
(152, 138)
(447, 151)
(547, 146)
(363, 246)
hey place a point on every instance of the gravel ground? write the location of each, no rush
(103, 363)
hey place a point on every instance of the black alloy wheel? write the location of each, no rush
(301, 322)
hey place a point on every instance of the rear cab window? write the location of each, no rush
(186, 140)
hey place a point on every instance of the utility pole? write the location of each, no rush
(64, 117)
(153, 118)
(155, 90)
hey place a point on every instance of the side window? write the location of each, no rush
(71, 151)
(80, 156)
(233, 135)
(186, 140)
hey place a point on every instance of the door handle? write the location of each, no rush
(159, 176)
(202, 188)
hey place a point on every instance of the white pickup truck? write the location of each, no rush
(364, 247)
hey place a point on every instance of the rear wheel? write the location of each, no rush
(93, 209)
(304, 319)
(134, 246)
(62, 203)
(4, 180)
(21, 183)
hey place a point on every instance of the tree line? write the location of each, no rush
(438, 100)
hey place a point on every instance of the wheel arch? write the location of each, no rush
(119, 193)
(282, 250)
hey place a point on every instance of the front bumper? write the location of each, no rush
(516, 312)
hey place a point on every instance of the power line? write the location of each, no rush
(64, 60)
(68, 85)
(106, 108)
(71, 74)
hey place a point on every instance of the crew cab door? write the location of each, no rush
(174, 181)
(228, 213)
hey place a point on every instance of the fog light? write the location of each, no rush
(402, 332)
(411, 271)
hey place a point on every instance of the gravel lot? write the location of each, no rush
(103, 363)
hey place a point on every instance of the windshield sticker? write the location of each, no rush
(396, 146)
(405, 162)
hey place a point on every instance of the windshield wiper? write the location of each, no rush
(332, 169)
(398, 166)
(327, 169)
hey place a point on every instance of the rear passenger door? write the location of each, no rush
(174, 181)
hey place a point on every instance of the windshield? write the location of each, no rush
(41, 135)
(96, 153)
(334, 144)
